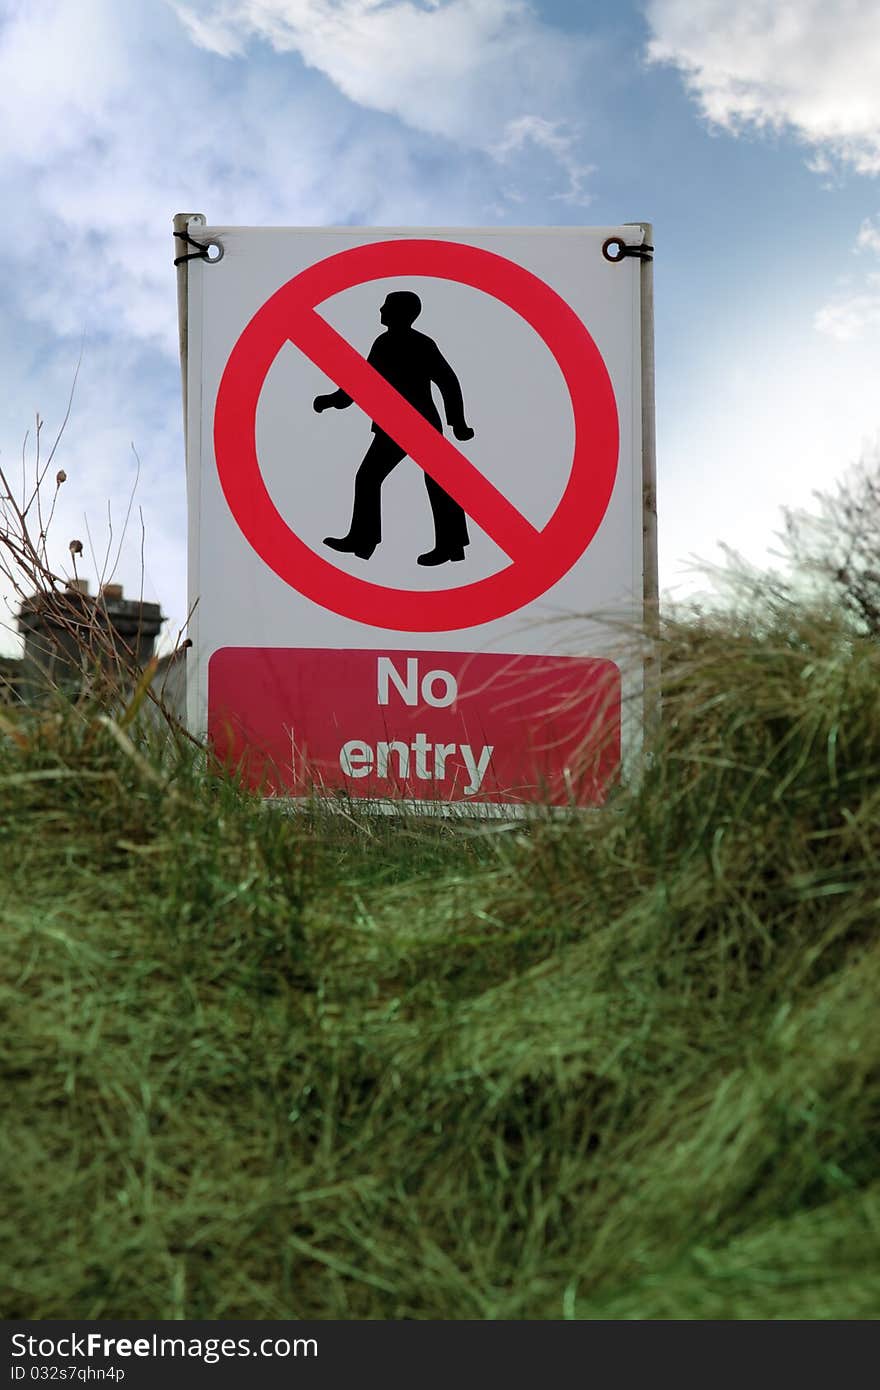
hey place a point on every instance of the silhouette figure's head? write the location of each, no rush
(401, 309)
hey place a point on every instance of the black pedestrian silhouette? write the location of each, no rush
(409, 361)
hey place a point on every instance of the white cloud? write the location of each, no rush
(804, 66)
(809, 66)
(851, 316)
(60, 66)
(113, 120)
(464, 69)
(868, 238)
(101, 151)
(543, 135)
(855, 312)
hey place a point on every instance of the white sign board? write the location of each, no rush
(415, 499)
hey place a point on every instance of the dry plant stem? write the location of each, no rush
(108, 664)
(40, 473)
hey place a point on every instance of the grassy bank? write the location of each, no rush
(262, 1066)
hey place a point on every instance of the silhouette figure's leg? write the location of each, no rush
(365, 531)
(450, 522)
(366, 517)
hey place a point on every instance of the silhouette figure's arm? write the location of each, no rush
(334, 400)
(450, 390)
(339, 399)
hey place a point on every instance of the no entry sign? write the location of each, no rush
(530, 480)
(538, 557)
(484, 729)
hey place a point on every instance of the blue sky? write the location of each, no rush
(748, 131)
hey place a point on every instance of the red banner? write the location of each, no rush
(428, 726)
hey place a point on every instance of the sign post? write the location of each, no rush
(469, 639)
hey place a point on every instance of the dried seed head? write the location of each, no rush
(76, 547)
(60, 477)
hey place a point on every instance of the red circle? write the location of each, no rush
(560, 543)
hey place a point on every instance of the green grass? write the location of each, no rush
(342, 1066)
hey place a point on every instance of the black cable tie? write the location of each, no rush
(641, 253)
(202, 254)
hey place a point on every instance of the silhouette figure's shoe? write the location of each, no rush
(349, 547)
(439, 557)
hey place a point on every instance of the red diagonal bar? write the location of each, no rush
(425, 445)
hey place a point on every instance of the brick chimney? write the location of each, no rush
(55, 624)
